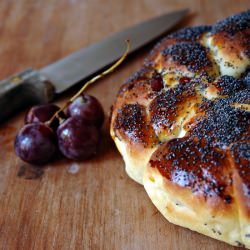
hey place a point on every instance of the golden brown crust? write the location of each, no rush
(194, 164)
(233, 34)
(183, 123)
(208, 215)
(170, 105)
(229, 40)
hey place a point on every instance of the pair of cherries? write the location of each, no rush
(74, 132)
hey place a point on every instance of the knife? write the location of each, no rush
(42, 86)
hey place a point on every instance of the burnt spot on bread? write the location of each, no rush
(131, 122)
(192, 55)
(189, 162)
(233, 24)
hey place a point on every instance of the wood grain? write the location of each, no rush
(98, 206)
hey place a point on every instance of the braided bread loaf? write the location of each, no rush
(182, 126)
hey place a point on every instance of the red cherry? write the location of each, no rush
(88, 108)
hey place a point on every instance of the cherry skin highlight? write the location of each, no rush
(77, 140)
(41, 113)
(88, 108)
(35, 143)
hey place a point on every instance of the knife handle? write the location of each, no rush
(23, 89)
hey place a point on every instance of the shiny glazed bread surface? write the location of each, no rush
(182, 126)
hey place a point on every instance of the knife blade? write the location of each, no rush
(41, 86)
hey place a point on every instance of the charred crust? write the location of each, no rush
(192, 55)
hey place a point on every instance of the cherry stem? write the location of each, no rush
(94, 79)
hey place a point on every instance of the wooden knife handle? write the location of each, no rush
(21, 90)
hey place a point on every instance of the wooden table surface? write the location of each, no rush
(95, 206)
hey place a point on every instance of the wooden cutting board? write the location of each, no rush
(92, 204)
